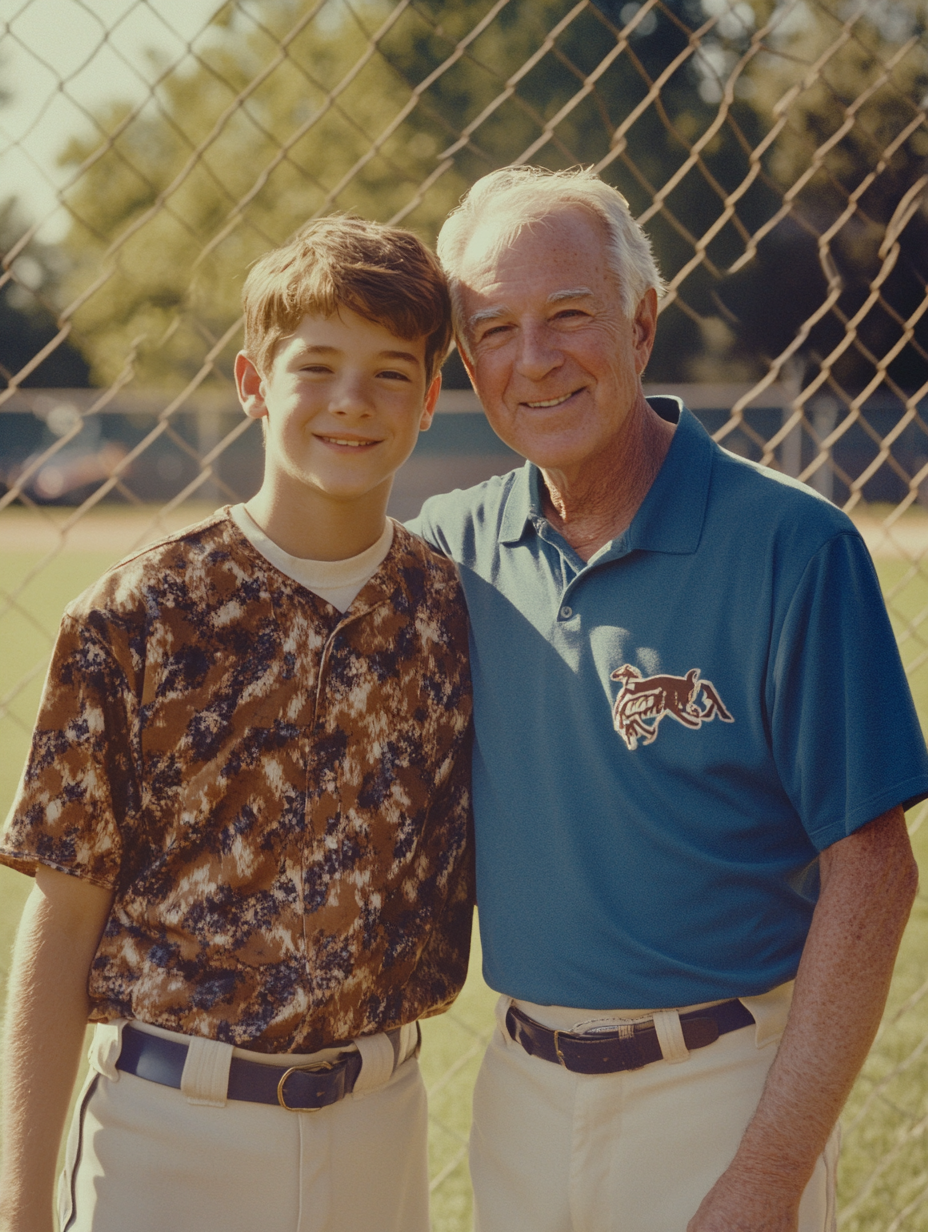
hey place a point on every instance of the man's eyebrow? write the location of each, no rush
(570, 293)
(491, 314)
(487, 314)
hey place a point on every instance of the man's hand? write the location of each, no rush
(47, 1011)
(868, 882)
(740, 1204)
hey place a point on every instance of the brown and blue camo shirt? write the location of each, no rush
(278, 793)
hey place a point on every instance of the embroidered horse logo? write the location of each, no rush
(687, 699)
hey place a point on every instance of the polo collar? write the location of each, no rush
(523, 504)
(672, 513)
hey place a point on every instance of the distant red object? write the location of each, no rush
(72, 469)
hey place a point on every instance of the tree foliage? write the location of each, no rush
(783, 117)
(850, 162)
(27, 319)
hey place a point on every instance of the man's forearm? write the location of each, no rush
(46, 1017)
(868, 884)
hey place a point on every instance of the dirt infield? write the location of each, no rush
(118, 530)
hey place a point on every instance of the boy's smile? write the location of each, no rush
(344, 400)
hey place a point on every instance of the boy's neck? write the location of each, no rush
(304, 524)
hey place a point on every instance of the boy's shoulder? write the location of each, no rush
(413, 553)
(204, 562)
(424, 590)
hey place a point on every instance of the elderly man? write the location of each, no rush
(694, 745)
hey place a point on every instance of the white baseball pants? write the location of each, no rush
(143, 1157)
(554, 1151)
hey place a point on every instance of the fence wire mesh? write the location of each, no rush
(776, 151)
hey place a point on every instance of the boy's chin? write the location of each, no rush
(343, 491)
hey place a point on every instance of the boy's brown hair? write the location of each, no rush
(382, 273)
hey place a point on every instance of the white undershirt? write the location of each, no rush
(336, 581)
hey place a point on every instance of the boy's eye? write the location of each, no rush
(392, 374)
(314, 369)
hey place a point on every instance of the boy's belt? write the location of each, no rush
(299, 1088)
(630, 1046)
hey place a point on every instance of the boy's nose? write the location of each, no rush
(351, 398)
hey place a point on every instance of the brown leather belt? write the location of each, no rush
(630, 1046)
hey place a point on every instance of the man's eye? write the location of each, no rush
(493, 331)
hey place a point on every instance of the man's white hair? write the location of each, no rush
(515, 197)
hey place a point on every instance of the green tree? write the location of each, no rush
(27, 320)
(850, 160)
(388, 111)
(29, 274)
(278, 121)
(292, 110)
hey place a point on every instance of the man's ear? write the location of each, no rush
(431, 401)
(466, 361)
(644, 328)
(250, 387)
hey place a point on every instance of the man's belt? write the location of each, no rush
(299, 1088)
(629, 1046)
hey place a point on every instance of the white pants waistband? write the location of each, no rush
(769, 1009)
(206, 1070)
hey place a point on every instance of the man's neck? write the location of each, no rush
(311, 528)
(598, 502)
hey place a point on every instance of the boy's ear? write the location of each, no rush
(431, 401)
(250, 387)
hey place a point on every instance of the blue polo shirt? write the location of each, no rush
(668, 734)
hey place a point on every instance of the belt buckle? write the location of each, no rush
(302, 1069)
(557, 1049)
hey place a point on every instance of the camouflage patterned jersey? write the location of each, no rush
(278, 793)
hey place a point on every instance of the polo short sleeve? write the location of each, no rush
(842, 720)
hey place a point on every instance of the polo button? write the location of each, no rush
(566, 612)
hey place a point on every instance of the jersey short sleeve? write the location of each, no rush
(844, 732)
(79, 785)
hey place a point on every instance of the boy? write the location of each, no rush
(246, 808)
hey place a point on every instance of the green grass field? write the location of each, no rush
(884, 1178)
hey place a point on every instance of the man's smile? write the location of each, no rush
(551, 401)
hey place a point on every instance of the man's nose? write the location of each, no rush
(539, 352)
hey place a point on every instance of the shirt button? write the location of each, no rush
(566, 612)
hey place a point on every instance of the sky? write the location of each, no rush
(61, 58)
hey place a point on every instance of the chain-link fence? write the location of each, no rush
(777, 152)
